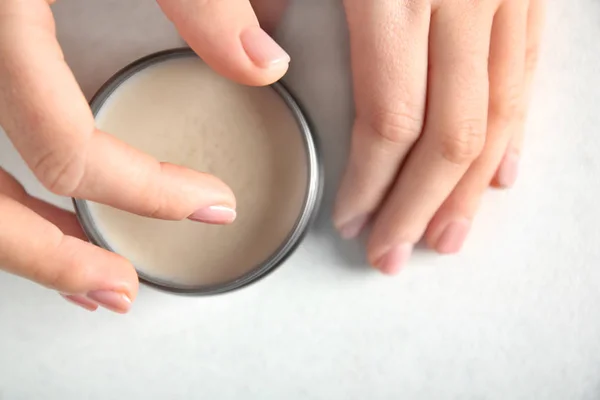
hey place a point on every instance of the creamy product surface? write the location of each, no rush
(182, 112)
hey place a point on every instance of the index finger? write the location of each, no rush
(47, 118)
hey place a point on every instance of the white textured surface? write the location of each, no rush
(516, 316)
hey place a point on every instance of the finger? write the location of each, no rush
(38, 250)
(508, 169)
(64, 220)
(227, 35)
(448, 229)
(389, 64)
(51, 125)
(453, 137)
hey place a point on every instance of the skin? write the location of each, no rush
(441, 91)
(441, 120)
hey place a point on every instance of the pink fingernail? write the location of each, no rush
(509, 170)
(262, 49)
(114, 301)
(214, 215)
(353, 228)
(392, 262)
(453, 237)
(81, 301)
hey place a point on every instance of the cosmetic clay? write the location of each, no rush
(174, 107)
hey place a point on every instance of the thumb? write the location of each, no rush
(227, 36)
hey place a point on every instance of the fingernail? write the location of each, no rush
(392, 262)
(262, 49)
(353, 228)
(214, 215)
(453, 237)
(114, 301)
(509, 169)
(81, 301)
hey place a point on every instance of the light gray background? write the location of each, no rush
(515, 316)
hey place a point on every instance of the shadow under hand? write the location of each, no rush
(315, 35)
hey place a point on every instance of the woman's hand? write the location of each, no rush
(441, 91)
(48, 120)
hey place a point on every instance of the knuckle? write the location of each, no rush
(59, 279)
(59, 173)
(154, 209)
(508, 105)
(155, 205)
(66, 275)
(465, 143)
(401, 127)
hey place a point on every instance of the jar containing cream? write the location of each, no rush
(256, 139)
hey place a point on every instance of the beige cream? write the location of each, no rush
(182, 112)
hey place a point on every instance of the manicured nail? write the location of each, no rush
(453, 237)
(114, 301)
(353, 228)
(262, 49)
(214, 215)
(81, 301)
(509, 169)
(392, 262)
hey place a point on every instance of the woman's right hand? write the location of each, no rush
(47, 118)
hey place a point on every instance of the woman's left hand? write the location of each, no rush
(441, 91)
